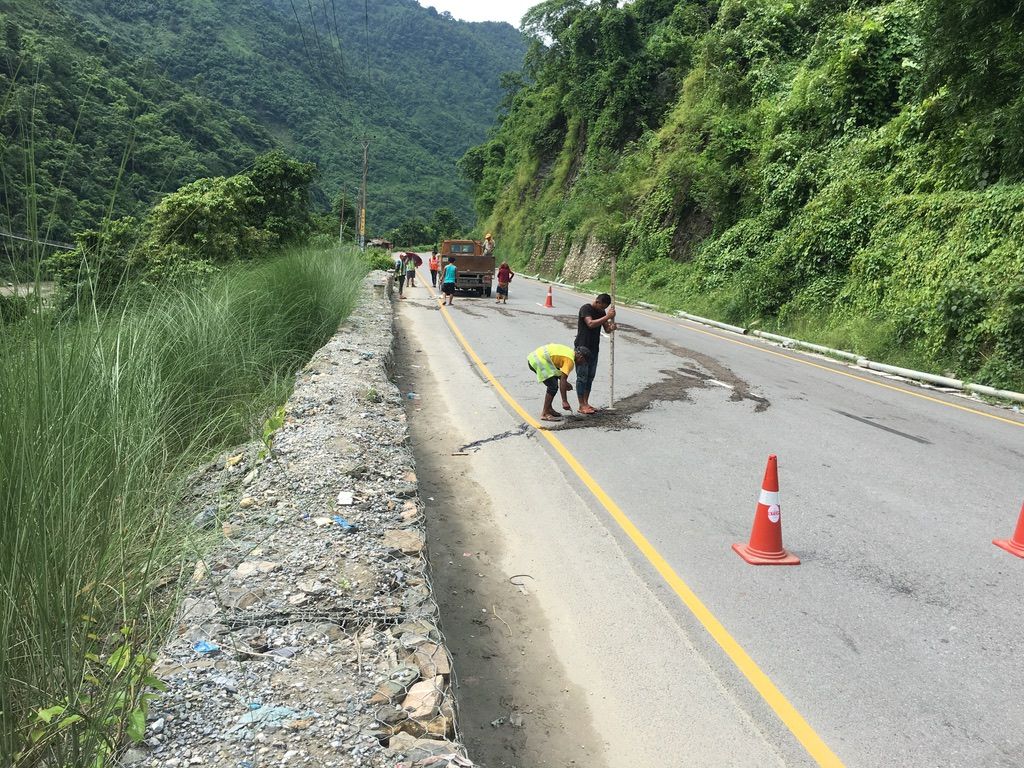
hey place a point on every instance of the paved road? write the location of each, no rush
(898, 638)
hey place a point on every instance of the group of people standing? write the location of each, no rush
(552, 363)
(405, 272)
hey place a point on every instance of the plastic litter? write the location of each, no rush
(412, 396)
(206, 648)
(345, 524)
(265, 715)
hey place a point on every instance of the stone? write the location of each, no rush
(245, 598)
(440, 726)
(197, 609)
(312, 587)
(432, 660)
(424, 699)
(134, 756)
(424, 749)
(401, 742)
(256, 566)
(404, 675)
(207, 518)
(247, 502)
(387, 692)
(405, 541)
(200, 572)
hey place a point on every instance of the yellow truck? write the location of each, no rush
(475, 272)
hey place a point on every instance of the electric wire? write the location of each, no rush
(316, 34)
(305, 47)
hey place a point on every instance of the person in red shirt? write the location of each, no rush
(505, 275)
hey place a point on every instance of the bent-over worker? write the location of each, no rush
(553, 363)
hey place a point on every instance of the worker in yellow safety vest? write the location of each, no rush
(553, 363)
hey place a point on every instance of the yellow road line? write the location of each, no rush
(786, 712)
(769, 351)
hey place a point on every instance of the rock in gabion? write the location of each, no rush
(309, 635)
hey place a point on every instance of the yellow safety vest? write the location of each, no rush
(542, 364)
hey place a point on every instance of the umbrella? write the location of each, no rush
(415, 257)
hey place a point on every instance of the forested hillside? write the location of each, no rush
(88, 131)
(107, 105)
(320, 75)
(849, 170)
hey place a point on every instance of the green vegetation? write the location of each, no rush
(192, 232)
(90, 133)
(318, 77)
(444, 224)
(846, 169)
(103, 416)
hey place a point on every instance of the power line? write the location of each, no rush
(305, 48)
(336, 48)
(337, 36)
(316, 35)
(37, 241)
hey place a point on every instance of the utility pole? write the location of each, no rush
(362, 194)
(341, 227)
(611, 378)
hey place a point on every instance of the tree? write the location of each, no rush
(414, 231)
(283, 184)
(445, 224)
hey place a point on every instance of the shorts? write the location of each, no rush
(551, 383)
(448, 289)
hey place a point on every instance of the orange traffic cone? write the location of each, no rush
(548, 303)
(765, 547)
(1014, 546)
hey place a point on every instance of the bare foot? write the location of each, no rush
(551, 417)
(587, 409)
(567, 407)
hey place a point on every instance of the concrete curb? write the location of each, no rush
(840, 354)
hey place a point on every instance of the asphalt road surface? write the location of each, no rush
(896, 642)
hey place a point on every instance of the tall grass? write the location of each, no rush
(101, 418)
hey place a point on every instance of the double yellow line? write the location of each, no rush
(786, 712)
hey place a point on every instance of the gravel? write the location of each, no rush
(308, 635)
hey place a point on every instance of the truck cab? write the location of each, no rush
(475, 271)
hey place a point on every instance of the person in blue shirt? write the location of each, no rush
(448, 282)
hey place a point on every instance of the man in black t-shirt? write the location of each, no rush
(592, 318)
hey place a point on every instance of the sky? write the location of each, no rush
(491, 10)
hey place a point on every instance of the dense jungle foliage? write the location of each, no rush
(849, 169)
(422, 85)
(89, 132)
(190, 234)
(107, 105)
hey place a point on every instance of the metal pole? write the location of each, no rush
(612, 376)
(362, 196)
(341, 227)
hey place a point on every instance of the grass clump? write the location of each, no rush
(103, 417)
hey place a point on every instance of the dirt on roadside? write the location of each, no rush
(517, 706)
